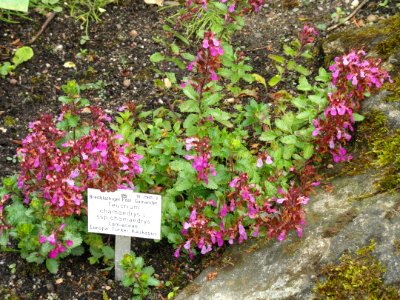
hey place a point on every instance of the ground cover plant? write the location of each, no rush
(233, 171)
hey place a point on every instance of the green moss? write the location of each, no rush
(394, 89)
(357, 276)
(9, 121)
(388, 160)
(8, 293)
(382, 38)
(374, 127)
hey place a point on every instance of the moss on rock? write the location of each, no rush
(357, 276)
(380, 40)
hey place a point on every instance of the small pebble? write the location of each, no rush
(354, 4)
(372, 18)
(127, 82)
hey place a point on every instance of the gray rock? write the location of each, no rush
(337, 222)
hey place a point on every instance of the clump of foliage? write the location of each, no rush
(137, 276)
(59, 161)
(357, 276)
(21, 55)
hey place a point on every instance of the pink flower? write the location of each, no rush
(53, 253)
(69, 243)
(259, 162)
(51, 239)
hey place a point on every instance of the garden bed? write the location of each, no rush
(116, 59)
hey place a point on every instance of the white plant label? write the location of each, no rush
(125, 213)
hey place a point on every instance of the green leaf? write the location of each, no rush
(289, 51)
(268, 136)
(277, 58)
(188, 56)
(358, 118)
(274, 80)
(153, 282)
(73, 121)
(174, 49)
(52, 265)
(157, 57)
(289, 139)
(6, 68)
(308, 151)
(288, 151)
(282, 125)
(19, 5)
(259, 79)
(212, 99)
(78, 251)
(108, 252)
(302, 70)
(306, 54)
(318, 99)
(323, 75)
(304, 115)
(291, 65)
(225, 72)
(189, 106)
(304, 85)
(184, 183)
(190, 92)
(4, 238)
(220, 116)
(22, 54)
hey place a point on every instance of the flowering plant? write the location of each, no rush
(59, 162)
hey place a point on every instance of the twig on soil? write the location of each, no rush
(348, 17)
(50, 16)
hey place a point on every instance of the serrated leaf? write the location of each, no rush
(189, 106)
(291, 65)
(308, 151)
(212, 99)
(304, 85)
(318, 99)
(220, 116)
(277, 58)
(323, 75)
(259, 79)
(188, 56)
(157, 57)
(289, 51)
(19, 5)
(174, 49)
(183, 183)
(78, 251)
(302, 70)
(303, 115)
(306, 54)
(282, 125)
(289, 139)
(268, 136)
(190, 92)
(22, 54)
(274, 80)
(108, 252)
(153, 282)
(288, 151)
(52, 265)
